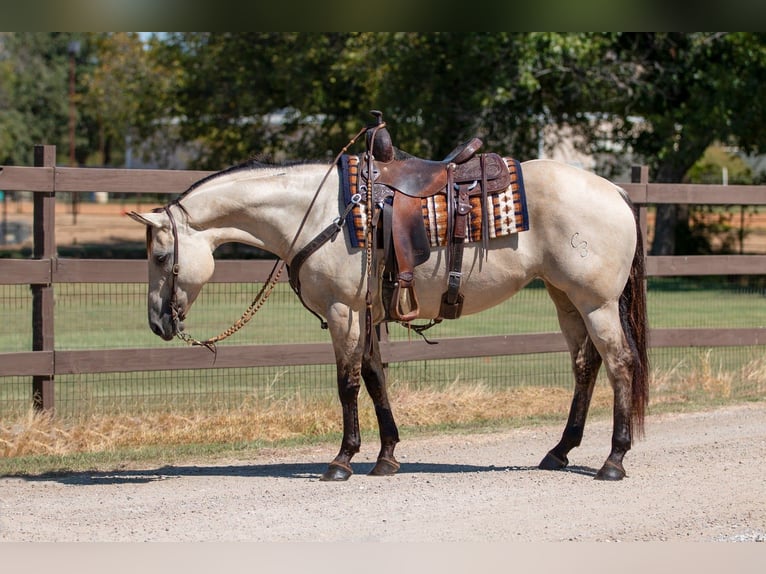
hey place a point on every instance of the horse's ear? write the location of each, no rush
(149, 219)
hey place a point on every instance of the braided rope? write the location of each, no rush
(249, 313)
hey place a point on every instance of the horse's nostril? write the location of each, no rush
(156, 329)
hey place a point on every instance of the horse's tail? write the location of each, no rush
(635, 326)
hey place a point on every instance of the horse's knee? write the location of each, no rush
(348, 383)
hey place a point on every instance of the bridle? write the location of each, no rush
(175, 269)
(249, 313)
(329, 233)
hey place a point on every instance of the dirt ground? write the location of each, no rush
(695, 477)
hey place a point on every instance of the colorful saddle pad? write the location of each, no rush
(508, 208)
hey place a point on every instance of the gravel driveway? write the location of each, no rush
(695, 477)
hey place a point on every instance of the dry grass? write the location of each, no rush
(268, 421)
(278, 420)
(699, 378)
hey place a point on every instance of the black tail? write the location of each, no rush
(635, 326)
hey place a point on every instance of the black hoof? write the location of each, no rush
(553, 462)
(336, 473)
(385, 467)
(610, 471)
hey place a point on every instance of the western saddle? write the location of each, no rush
(399, 182)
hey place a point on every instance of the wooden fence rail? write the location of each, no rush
(46, 270)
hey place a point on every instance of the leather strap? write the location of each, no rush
(176, 267)
(294, 268)
(452, 298)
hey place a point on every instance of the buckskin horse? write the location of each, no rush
(583, 241)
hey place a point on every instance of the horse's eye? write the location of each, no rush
(161, 258)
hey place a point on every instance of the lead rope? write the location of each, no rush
(249, 313)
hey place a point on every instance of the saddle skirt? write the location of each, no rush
(508, 208)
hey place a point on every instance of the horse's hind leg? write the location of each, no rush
(585, 363)
(609, 338)
(375, 380)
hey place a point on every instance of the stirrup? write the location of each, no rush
(404, 303)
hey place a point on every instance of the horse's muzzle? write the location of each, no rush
(166, 327)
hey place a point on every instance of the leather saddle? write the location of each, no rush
(399, 183)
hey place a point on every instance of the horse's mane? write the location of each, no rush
(247, 165)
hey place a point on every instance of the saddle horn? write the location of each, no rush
(379, 140)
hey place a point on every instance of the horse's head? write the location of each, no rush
(180, 263)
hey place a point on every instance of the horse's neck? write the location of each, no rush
(266, 209)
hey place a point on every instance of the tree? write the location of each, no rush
(117, 93)
(304, 94)
(666, 97)
(33, 93)
(121, 93)
(240, 94)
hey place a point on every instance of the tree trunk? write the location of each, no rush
(664, 242)
(670, 218)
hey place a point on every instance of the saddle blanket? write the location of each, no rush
(508, 208)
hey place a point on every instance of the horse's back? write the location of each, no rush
(559, 189)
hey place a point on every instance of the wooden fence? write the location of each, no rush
(46, 269)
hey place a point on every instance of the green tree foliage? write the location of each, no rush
(656, 98)
(33, 93)
(666, 97)
(118, 92)
(121, 93)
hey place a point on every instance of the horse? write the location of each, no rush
(584, 242)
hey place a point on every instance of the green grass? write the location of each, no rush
(113, 316)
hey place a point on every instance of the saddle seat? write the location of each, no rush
(406, 180)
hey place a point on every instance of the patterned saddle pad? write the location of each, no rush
(508, 208)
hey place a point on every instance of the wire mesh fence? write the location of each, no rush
(102, 316)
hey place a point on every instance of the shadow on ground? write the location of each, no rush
(309, 471)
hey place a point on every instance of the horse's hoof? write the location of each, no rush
(610, 471)
(385, 467)
(553, 462)
(336, 473)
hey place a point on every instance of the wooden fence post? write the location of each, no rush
(640, 174)
(42, 294)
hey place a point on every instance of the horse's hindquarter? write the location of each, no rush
(582, 225)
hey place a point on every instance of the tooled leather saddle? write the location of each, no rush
(399, 182)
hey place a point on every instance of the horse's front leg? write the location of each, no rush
(344, 327)
(348, 391)
(375, 380)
